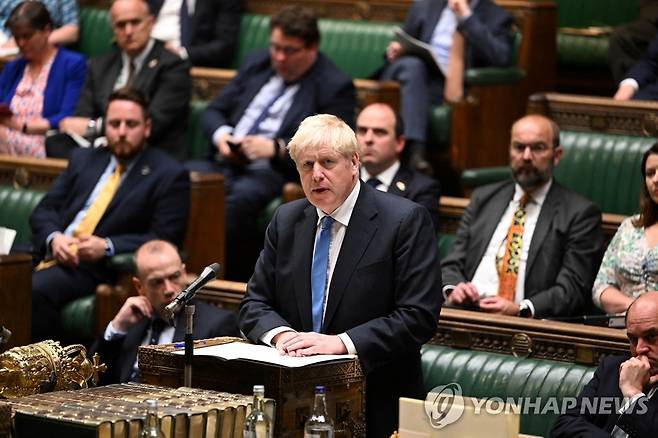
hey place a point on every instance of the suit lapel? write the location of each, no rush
(549, 207)
(434, 13)
(359, 233)
(141, 169)
(145, 74)
(400, 183)
(489, 222)
(302, 256)
(300, 104)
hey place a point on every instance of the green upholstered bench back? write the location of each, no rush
(483, 374)
(357, 47)
(197, 145)
(583, 13)
(95, 32)
(604, 168)
(581, 50)
(16, 205)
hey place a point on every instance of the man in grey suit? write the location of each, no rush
(544, 268)
(139, 62)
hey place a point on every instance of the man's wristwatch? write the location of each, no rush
(524, 310)
(92, 128)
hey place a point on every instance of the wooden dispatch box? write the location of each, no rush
(291, 388)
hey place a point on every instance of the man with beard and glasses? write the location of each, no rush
(107, 201)
(528, 246)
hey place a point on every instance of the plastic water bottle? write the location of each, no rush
(319, 425)
(151, 425)
(257, 423)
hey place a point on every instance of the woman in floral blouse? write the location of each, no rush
(630, 264)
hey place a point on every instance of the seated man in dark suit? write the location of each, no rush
(139, 62)
(251, 120)
(620, 399)
(203, 31)
(379, 131)
(142, 320)
(348, 269)
(527, 246)
(463, 34)
(107, 201)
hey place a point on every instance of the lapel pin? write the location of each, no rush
(146, 170)
(401, 186)
(153, 62)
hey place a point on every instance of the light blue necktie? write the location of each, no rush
(319, 270)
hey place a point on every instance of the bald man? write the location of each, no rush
(630, 382)
(527, 246)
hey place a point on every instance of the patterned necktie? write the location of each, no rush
(319, 270)
(96, 210)
(255, 127)
(373, 182)
(509, 268)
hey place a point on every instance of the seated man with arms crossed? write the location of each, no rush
(142, 320)
(526, 246)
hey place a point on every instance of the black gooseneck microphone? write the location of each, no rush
(209, 272)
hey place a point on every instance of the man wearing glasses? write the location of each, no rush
(251, 120)
(526, 246)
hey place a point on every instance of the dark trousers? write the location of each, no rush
(248, 192)
(52, 289)
(417, 92)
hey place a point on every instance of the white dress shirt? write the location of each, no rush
(341, 217)
(385, 178)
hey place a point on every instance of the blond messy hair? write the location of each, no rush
(323, 130)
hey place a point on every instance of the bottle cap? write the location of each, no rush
(259, 388)
(320, 389)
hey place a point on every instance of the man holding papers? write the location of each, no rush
(462, 34)
(349, 269)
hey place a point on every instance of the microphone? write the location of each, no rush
(209, 272)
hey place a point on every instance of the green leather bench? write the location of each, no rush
(578, 51)
(484, 374)
(604, 168)
(16, 205)
(603, 142)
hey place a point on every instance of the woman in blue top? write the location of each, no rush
(40, 87)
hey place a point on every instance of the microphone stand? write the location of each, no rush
(189, 344)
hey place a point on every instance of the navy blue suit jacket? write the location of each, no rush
(419, 188)
(323, 89)
(640, 421)
(645, 72)
(487, 31)
(214, 30)
(385, 292)
(152, 201)
(65, 80)
(120, 354)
